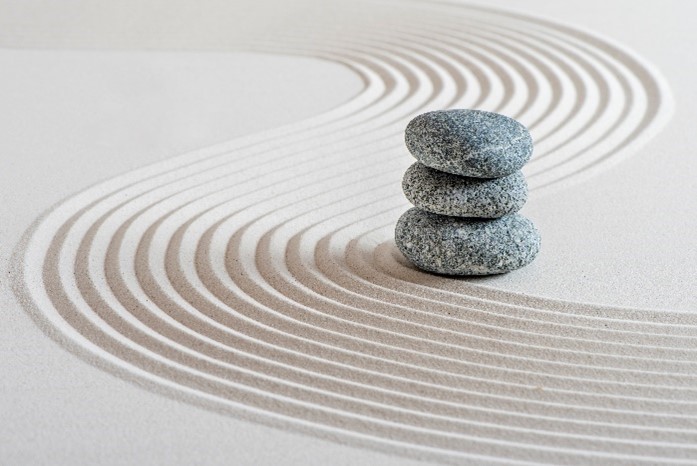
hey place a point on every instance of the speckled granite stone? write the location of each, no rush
(469, 142)
(448, 194)
(466, 246)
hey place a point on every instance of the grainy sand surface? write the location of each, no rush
(258, 279)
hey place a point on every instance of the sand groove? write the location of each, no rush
(259, 277)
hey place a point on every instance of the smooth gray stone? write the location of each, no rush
(447, 194)
(466, 246)
(469, 142)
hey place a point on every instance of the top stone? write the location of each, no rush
(469, 142)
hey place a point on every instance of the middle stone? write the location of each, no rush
(447, 194)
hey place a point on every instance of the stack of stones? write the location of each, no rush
(467, 187)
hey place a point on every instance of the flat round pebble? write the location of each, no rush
(466, 246)
(469, 142)
(447, 194)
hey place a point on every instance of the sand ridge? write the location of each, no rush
(259, 278)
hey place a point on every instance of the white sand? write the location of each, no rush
(258, 278)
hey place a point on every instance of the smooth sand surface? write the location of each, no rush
(258, 278)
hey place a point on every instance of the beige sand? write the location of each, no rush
(258, 278)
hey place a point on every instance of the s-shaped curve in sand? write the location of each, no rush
(259, 278)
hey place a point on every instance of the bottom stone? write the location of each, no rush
(466, 246)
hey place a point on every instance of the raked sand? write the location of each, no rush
(258, 278)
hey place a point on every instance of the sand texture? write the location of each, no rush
(258, 278)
